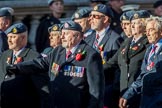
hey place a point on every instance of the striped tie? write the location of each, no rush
(96, 42)
(152, 53)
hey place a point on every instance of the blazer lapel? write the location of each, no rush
(126, 49)
(106, 37)
(9, 57)
(81, 47)
(140, 45)
(24, 52)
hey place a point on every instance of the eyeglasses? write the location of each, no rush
(96, 16)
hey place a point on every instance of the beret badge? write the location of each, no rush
(76, 15)
(124, 17)
(55, 28)
(136, 16)
(95, 8)
(14, 30)
(66, 25)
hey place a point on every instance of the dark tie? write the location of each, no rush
(13, 59)
(68, 53)
(132, 43)
(96, 42)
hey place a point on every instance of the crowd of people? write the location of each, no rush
(106, 56)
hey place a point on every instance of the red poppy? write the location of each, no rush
(18, 60)
(152, 64)
(101, 47)
(80, 55)
(135, 48)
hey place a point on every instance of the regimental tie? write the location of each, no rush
(95, 44)
(68, 53)
(152, 54)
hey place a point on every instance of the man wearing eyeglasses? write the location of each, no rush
(106, 42)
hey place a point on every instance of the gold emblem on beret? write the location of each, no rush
(55, 28)
(124, 17)
(66, 25)
(14, 30)
(136, 16)
(95, 8)
(76, 15)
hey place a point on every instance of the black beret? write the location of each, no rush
(4, 12)
(157, 3)
(71, 25)
(51, 1)
(81, 13)
(16, 28)
(106, 10)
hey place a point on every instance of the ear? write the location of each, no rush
(51, 8)
(106, 19)
(7, 23)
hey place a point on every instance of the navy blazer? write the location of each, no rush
(73, 83)
(149, 83)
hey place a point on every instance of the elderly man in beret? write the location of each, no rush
(158, 8)
(42, 36)
(17, 91)
(81, 16)
(106, 42)
(5, 22)
(55, 38)
(126, 24)
(75, 71)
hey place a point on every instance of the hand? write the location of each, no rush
(122, 103)
(12, 69)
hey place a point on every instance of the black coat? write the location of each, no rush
(3, 42)
(73, 84)
(18, 91)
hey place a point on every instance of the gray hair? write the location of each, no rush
(158, 22)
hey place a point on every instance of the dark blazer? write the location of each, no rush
(111, 43)
(42, 34)
(129, 59)
(73, 84)
(18, 91)
(3, 42)
(148, 83)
